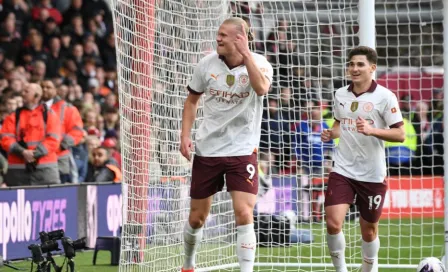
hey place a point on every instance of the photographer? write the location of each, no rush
(31, 137)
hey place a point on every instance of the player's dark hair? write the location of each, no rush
(370, 53)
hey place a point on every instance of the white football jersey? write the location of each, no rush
(358, 156)
(232, 109)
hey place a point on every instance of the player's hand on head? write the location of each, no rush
(186, 146)
(325, 136)
(363, 126)
(241, 42)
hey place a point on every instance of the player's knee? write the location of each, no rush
(369, 234)
(244, 216)
(333, 226)
(197, 220)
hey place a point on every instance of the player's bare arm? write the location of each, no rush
(390, 135)
(258, 81)
(333, 133)
(188, 116)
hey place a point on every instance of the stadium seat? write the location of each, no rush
(110, 243)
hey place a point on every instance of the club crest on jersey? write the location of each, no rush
(354, 106)
(368, 107)
(230, 80)
(243, 80)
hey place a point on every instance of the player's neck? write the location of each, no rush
(234, 60)
(361, 87)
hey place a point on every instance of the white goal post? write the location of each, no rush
(158, 44)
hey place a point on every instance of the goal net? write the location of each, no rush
(159, 43)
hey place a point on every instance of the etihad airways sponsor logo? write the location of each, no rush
(228, 97)
(349, 124)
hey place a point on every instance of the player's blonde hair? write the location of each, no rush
(238, 22)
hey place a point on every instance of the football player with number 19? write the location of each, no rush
(366, 114)
(234, 81)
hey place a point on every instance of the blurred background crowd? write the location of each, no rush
(71, 44)
(300, 103)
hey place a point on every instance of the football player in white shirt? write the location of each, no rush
(234, 81)
(366, 114)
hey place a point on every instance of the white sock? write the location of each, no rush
(246, 245)
(192, 240)
(370, 255)
(336, 245)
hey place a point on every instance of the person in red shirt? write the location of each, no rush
(71, 127)
(31, 137)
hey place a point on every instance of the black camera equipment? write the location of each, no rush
(70, 248)
(48, 244)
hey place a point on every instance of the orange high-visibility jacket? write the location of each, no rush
(71, 125)
(43, 137)
(117, 172)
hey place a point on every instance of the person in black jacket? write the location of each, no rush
(103, 168)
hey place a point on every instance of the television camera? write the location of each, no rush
(49, 243)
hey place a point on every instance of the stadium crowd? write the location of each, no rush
(67, 48)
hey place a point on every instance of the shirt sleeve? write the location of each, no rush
(197, 83)
(337, 109)
(267, 70)
(392, 113)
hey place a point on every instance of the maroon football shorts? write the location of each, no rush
(368, 196)
(240, 172)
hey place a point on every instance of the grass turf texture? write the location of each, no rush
(402, 241)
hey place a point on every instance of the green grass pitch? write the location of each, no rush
(402, 241)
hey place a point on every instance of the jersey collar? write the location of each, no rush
(371, 89)
(225, 62)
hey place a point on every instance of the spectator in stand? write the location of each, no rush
(77, 56)
(31, 160)
(87, 72)
(21, 10)
(10, 37)
(433, 145)
(45, 6)
(273, 129)
(310, 150)
(110, 102)
(288, 113)
(76, 29)
(71, 128)
(112, 146)
(38, 72)
(422, 125)
(50, 30)
(111, 119)
(74, 9)
(90, 119)
(102, 168)
(66, 43)
(108, 54)
(91, 50)
(81, 158)
(92, 142)
(54, 63)
(11, 104)
(34, 45)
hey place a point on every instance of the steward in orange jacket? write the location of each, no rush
(71, 127)
(31, 136)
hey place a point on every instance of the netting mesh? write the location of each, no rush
(158, 46)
